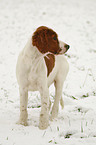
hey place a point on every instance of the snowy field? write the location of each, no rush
(75, 23)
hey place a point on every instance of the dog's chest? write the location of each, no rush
(50, 63)
(37, 75)
(42, 72)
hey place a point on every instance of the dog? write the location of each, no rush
(41, 63)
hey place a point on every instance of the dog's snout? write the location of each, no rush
(67, 46)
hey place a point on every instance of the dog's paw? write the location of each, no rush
(43, 122)
(54, 113)
(43, 126)
(22, 123)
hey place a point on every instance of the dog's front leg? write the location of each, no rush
(23, 106)
(44, 115)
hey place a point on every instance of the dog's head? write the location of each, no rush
(46, 40)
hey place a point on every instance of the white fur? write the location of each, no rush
(31, 74)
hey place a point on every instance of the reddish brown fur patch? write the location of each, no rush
(50, 62)
(46, 40)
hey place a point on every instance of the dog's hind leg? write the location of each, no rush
(58, 94)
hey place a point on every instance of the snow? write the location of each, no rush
(75, 23)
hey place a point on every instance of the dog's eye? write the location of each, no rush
(55, 52)
(55, 38)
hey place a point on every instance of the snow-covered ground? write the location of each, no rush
(75, 23)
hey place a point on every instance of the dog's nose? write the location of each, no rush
(67, 46)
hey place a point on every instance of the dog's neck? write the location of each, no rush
(31, 51)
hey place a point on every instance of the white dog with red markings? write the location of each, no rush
(39, 65)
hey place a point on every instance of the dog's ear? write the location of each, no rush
(46, 40)
(39, 39)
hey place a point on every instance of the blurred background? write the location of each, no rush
(75, 23)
